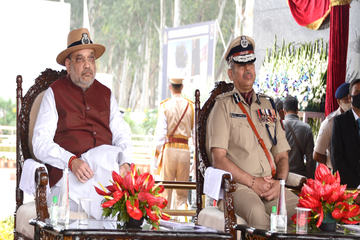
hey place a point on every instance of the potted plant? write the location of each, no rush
(133, 197)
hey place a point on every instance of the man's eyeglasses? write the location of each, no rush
(91, 59)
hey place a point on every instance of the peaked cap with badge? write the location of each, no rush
(79, 39)
(241, 50)
(176, 80)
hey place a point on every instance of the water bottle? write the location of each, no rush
(54, 211)
(64, 207)
(273, 219)
(281, 223)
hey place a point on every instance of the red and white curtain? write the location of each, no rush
(311, 14)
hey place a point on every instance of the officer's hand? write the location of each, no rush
(273, 192)
(260, 186)
(81, 170)
(124, 169)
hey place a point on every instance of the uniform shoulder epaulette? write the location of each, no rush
(265, 96)
(189, 100)
(164, 100)
(224, 95)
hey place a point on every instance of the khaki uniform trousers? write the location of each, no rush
(256, 210)
(176, 166)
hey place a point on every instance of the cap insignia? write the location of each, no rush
(244, 42)
(85, 39)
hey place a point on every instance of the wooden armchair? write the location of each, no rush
(27, 109)
(211, 216)
(207, 215)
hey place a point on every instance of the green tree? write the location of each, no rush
(7, 112)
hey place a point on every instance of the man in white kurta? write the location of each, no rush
(79, 126)
(174, 127)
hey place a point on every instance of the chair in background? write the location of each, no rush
(27, 109)
(211, 216)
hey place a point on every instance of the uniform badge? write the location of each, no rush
(85, 38)
(244, 42)
(267, 115)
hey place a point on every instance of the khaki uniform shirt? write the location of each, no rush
(322, 144)
(229, 129)
(170, 113)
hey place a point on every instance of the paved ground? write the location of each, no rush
(7, 195)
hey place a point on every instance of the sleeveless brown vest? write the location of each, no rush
(84, 118)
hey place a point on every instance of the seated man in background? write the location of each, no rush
(345, 140)
(300, 138)
(79, 126)
(280, 108)
(234, 146)
(322, 145)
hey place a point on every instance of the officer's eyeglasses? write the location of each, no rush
(79, 59)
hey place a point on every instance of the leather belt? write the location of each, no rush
(176, 140)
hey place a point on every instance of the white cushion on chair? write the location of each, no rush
(24, 214)
(214, 218)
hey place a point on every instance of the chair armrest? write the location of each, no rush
(230, 220)
(41, 180)
(295, 181)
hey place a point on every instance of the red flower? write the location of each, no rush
(101, 192)
(151, 199)
(161, 189)
(128, 183)
(322, 172)
(134, 211)
(144, 182)
(165, 216)
(325, 195)
(117, 178)
(152, 214)
(137, 192)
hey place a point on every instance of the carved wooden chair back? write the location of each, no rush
(27, 109)
(202, 159)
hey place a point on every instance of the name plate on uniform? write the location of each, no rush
(238, 115)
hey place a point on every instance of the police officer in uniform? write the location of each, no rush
(322, 145)
(174, 127)
(234, 146)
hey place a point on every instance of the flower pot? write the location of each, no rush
(328, 224)
(134, 223)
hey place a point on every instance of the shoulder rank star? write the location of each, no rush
(267, 115)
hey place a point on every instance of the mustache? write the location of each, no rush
(247, 73)
(87, 71)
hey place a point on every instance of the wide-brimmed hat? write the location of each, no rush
(79, 39)
(241, 50)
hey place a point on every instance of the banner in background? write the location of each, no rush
(188, 52)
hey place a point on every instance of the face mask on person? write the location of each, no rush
(356, 100)
(345, 106)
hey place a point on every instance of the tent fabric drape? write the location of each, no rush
(338, 45)
(309, 13)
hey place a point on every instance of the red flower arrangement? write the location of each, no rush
(135, 195)
(325, 195)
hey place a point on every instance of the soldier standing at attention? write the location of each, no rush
(174, 127)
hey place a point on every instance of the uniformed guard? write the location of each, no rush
(174, 127)
(246, 139)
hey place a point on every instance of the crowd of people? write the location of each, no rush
(257, 139)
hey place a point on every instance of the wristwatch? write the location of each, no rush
(280, 179)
